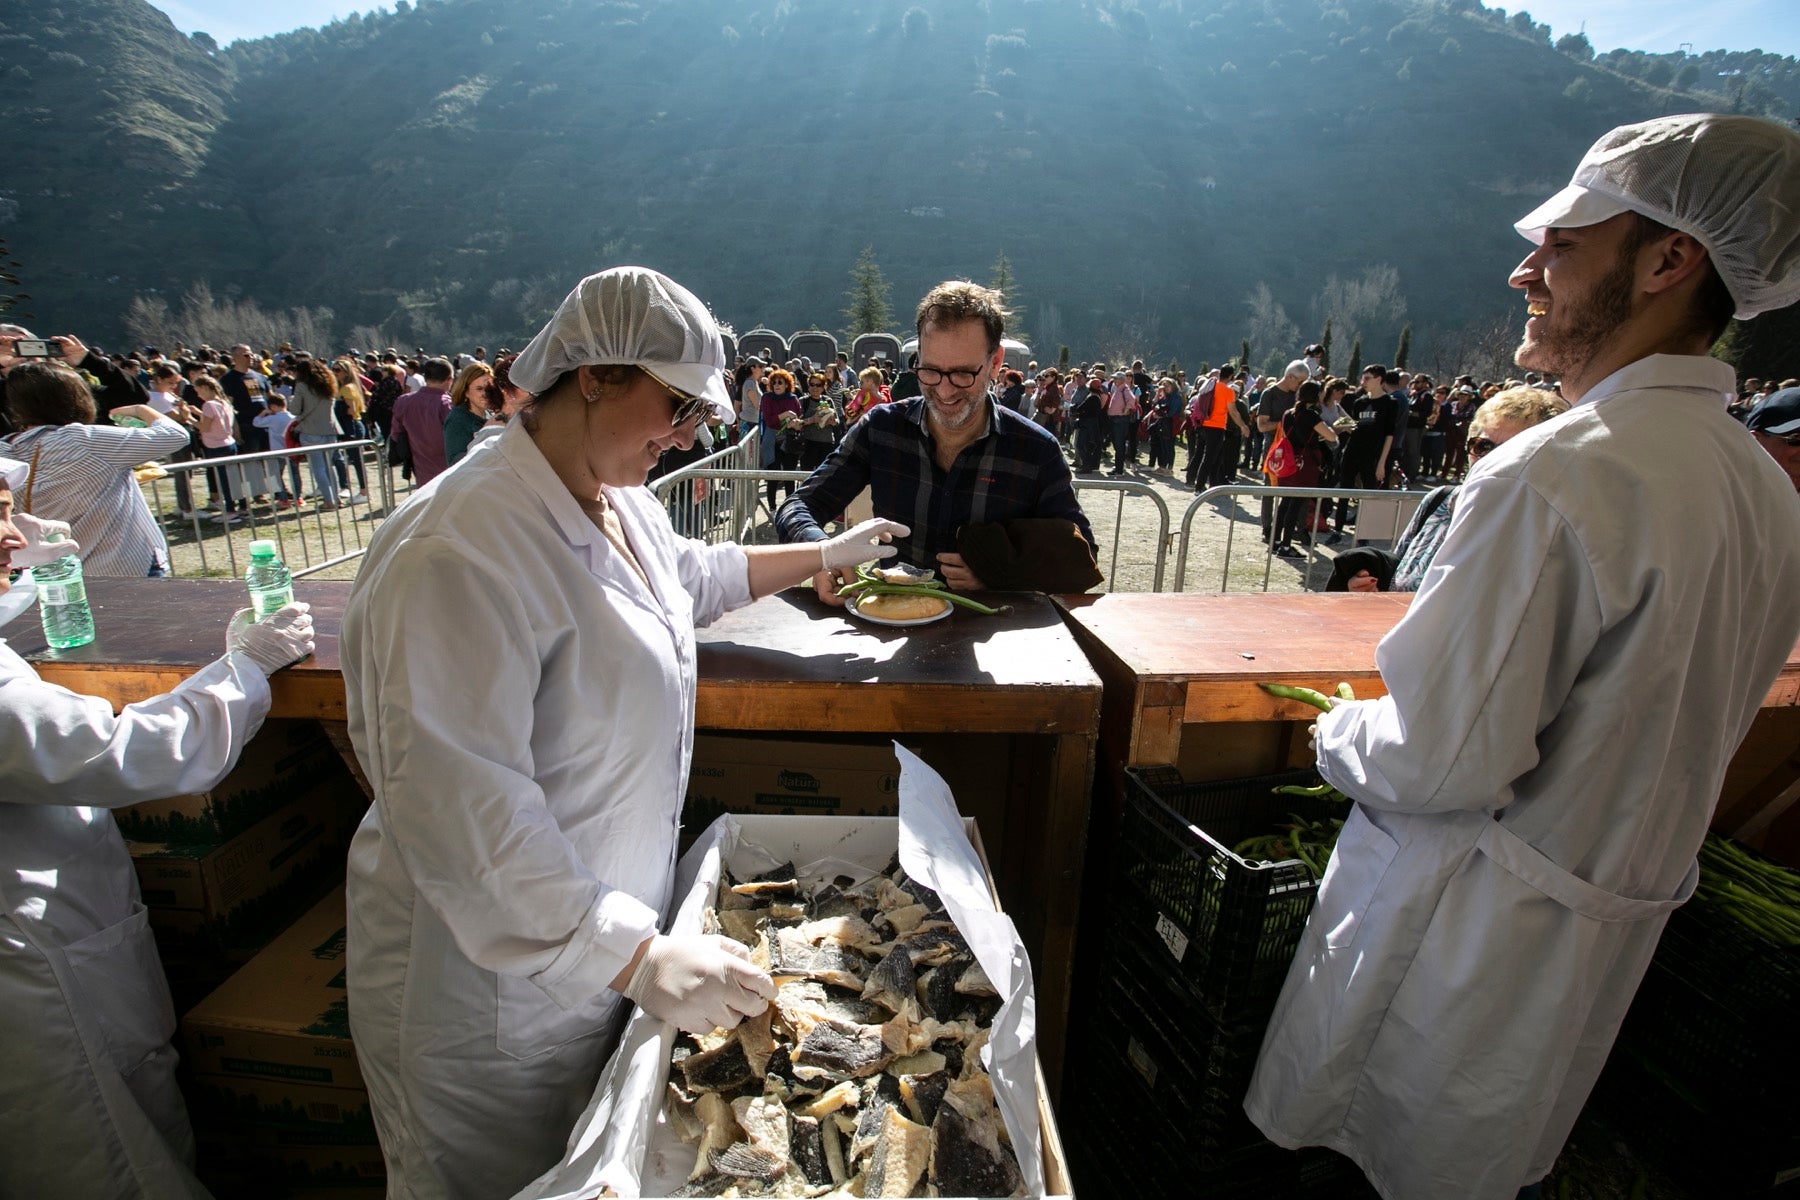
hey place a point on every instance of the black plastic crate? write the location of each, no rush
(1226, 927)
(1717, 1154)
(1745, 973)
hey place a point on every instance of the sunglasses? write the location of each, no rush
(686, 406)
(1479, 446)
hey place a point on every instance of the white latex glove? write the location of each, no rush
(38, 550)
(864, 543)
(699, 981)
(284, 636)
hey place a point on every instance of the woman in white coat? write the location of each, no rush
(520, 667)
(88, 1103)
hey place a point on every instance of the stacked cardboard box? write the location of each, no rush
(223, 871)
(275, 1091)
(789, 778)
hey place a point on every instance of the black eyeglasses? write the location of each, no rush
(961, 377)
(1479, 446)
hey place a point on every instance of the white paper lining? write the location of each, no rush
(623, 1146)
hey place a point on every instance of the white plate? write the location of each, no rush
(875, 620)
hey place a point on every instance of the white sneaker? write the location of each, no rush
(228, 518)
(356, 498)
(185, 514)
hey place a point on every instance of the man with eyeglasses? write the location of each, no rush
(1776, 424)
(947, 458)
(1611, 602)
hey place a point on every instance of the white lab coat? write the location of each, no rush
(88, 1103)
(523, 707)
(1611, 604)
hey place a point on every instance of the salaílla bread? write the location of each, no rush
(902, 608)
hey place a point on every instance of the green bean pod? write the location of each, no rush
(1282, 691)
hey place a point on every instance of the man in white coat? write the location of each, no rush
(88, 1103)
(1609, 608)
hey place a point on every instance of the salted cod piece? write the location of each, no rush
(807, 1150)
(899, 1157)
(720, 1130)
(841, 1050)
(722, 1069)
(967, 1158)
(789, 954)
(894, 985)
(924, 1095)
(879, 1095)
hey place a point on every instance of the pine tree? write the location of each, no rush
(1173, 368)
(1325, 341)
(868, 310)
(1355, 361)
(1062, 360)
(1244, 354)
(1004, 283)
(1405, 346)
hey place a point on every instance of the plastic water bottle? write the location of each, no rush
(271, 587)
(62, 601)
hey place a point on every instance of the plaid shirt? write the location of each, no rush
(1015, 469)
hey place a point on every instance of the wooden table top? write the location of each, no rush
(787, 662)
(1214, 645)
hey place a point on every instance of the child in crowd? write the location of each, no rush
(276, 419)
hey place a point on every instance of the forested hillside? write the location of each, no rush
(1171, 177)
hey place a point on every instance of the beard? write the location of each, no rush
(949, 422)
(1577, 330)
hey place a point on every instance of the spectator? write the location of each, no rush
(248, 389)
(1012, 392)
(1121, 419)
(1090, 423)
(1271, 406)
(1775, 423)
(822, 424)
(471, 399)
(166, 387)
(870, 391)
(275, 420)
(218, 439)
(314, 406)
(419, 418)
(1371, 443)
(1307, 435)
(352, 403)
(82, 473)
(747, 388)
(1498, 421)
(781, 414)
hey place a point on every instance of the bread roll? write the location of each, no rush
(902, 608)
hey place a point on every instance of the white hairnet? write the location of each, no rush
(1733, 183)
(13, 473)
(630, 316)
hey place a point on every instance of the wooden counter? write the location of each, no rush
(1018, 684)
(1179, 671)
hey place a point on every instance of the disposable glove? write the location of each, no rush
(864, 543)
(284, 636)
(38, 550)
(699, 981)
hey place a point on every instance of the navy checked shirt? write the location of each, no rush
(1015, 469)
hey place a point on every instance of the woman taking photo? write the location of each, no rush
(82, 473)
(506, 886)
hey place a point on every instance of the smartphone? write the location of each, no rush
(36, 348)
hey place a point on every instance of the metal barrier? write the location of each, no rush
(1110, 545)
(1381, 516)
(703, 498)
(335, 539)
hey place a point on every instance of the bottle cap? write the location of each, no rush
(262, 548)
(50, 539)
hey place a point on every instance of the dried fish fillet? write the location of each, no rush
(718, 1070)
(790, 955)
(899, 1157)
(719, 1129)
(975, 982)
(848, 930)
(967, 1158)
(765, 1125)
(893, 984)
(758, 1042)
(741, 1160)
(923, 1095)
(807, 1151)
(841, 1050)
(881, 1095)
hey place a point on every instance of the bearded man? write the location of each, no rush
(1611, 603)
(946, 459)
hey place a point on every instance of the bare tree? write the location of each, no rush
(1359, 308)
(1271, 328)
(205, 319)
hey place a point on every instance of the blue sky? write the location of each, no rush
(1659, 25)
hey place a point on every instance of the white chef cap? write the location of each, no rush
(13, 473)
(1733, 183)
(630, 316)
